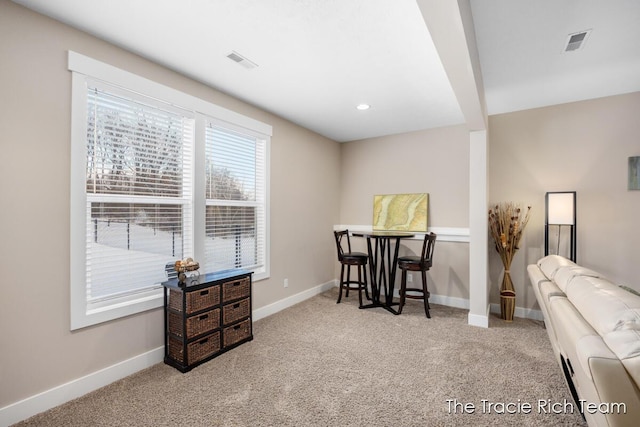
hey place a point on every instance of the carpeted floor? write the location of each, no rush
(325, 364)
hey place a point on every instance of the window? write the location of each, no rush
(235, 189)
(156, 176)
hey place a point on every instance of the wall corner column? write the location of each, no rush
(478, 232)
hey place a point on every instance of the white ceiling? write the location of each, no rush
(318, 59)
(521, 45)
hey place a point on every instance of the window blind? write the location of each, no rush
(139, 191)
(235, 199)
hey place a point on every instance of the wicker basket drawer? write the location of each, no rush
(196, 351)
(236, 333)
(196, 325)
(235, 311)
(195, 300)
(236, 289)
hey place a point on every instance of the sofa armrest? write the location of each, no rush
(617, 393)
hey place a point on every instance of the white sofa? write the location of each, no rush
(594, 328)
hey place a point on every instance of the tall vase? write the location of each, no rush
(507, 297)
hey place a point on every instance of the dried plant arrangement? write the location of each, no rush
(507, 222)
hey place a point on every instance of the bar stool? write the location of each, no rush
(349, 259)
(414, 263)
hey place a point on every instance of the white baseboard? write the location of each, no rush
(450, 301)
(277, 306)
(525, 313)
(48, 399)
(478, 320)
(41, 402)
(481, 320)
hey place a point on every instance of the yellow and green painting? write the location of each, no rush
(406, 212)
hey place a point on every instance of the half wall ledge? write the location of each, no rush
(445, 234)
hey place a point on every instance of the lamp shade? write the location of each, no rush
(561, 208)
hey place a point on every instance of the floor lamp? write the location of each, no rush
(560, 210)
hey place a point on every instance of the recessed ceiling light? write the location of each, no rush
(363, 106)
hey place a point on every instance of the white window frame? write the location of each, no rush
(84, 69)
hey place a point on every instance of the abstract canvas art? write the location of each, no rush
(400, 212)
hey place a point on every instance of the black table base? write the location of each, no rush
(382, 266)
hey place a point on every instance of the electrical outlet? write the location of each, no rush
(410, 278)
(286, 283)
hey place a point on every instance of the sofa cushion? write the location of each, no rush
(604, 305)
(571, 325)
(624, 343)
(564, 275)
(551, 263)
(614, 314)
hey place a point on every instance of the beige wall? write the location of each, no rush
(434, 161)
(38, 350)
(581, 146)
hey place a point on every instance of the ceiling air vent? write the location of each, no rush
(576, 41)
(236, 57)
